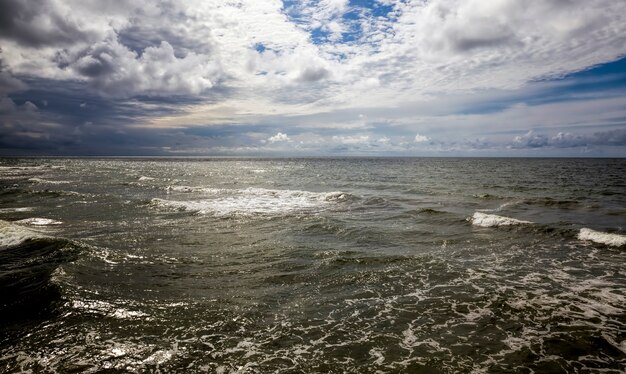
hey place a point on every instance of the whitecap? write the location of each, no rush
(143, 178)
(46, 181)
(207, 190)
(492, 220)
(16, 210)
(39, 221)
(12, 235)
(615, 240)
(255, 201)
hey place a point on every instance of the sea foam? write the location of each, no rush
(39, 221)
(12, 235)
(492, 220)
(615, 240)
(46, 181)
(255, 201)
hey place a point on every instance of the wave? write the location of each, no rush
(12, 235)
(428, 211)
(46, 181)
(189, 189)
(550, 202)
(27, 262)
(36, 221)
(501, 207)
(17, 210)
(492, 220)
(256, 201)
(614, 240)
(21, 168)
(487, 196)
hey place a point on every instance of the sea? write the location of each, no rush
(305, 265)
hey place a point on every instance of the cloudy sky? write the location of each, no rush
(313, 77)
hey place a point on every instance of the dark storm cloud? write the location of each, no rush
(8, 83)
(37, 23)
(67, 119)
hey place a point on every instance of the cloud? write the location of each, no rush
(421, 138)
(346, 50)
(408, 66)
(279, 137)
(357, 139)
(28, 106)
(7, 105)
(8, 83)
(115, 70)
(570, 140)
(312, 74)
(42, 23)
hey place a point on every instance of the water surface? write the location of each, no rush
(313, 265)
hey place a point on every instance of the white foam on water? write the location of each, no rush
(614, 240)
(21, 168)
(12, 235)
(180, 188)
(144, 178)
(16, 210)
(39, 221)
(46, 181)
(105, 308)
(255, 201)
(492, 220)
(208, 190)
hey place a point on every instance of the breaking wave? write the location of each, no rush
(46, 181)
(13, 235)
(255, 201)
(492, 220)
(36, 221)
(27, 261)
(614, 240)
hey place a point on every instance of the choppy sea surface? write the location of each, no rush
(313, 265)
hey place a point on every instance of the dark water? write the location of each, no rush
(305, 265)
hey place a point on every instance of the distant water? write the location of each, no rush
(313, 265)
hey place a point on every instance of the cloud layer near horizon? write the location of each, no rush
(311, 77)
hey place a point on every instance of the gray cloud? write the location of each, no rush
(8, 83)
(313, 74)
(570, 140)
(39, 23)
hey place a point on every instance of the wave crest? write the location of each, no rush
(614, 240)
(36, 221)
(12, 235)
(256, 201)
(492, 220)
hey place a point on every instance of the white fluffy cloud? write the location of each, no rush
(279, 137)
(117, 71)
(419, 138)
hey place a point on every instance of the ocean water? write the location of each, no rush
(313, 265)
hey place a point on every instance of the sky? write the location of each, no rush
(503, 78)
